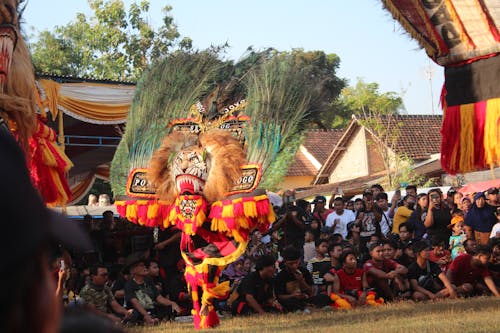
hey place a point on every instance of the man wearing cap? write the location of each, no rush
(143, 297)
(99, 298)
(28, 229)
(320, 212)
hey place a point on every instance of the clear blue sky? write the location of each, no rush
(371, 45)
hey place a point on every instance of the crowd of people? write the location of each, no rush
(336, 254)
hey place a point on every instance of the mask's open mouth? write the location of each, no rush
(189, 184)
(8, 41)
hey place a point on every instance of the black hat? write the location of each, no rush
(27, 224)
(492, 190)
(319, 199)
(132, 260)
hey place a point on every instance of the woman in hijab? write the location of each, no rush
(480, 219)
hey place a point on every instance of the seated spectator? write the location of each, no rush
(154, 276)
(470, 246)
(294, 284)
(469, 273)
(440, 255)
(98, 296)
(426, 278)
(405, 235)
(178, 291)
(391, 250)
(255, 294)
(148, 305)
(350, 282)
(235, 272)
(384, 275)
(494, 264)
(407, 256)
(318, 267)
(335, 253)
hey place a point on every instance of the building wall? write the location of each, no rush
(293, 182)
(354, 161)
(375, 159)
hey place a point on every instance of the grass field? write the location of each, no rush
(479, 314)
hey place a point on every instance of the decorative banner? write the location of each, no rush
(249, 180)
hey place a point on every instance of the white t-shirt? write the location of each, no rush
(341, 227)
(386, 222)
(496, 228)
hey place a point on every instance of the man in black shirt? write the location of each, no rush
(256, 291)
(294, 284)
(143, 297)
(426, 278)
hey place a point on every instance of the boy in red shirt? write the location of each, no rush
(350, 282)
(468, 272)
(384, 275)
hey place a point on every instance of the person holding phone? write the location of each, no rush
(438, 217)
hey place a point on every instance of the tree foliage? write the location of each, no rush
(112, 44)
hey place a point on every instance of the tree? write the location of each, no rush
(378, 112)
(111, 44)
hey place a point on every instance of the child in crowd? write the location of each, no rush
(458, 236)
(309, 246)
(350, 282)
(495, 232)
(440, 255)
(318, 267)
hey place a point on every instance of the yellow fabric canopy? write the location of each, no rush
(90, 102)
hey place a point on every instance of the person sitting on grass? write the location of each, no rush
(426, 278)
(439, 254)
(470, 275)
(350, 282)
(148, 305)
(255, 294)
(318, 267)
(405, 235)
(294, 284)
(335, 253)
(97, 296)
(386, 276)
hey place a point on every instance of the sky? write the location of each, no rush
(370, 44)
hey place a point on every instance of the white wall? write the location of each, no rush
(354, 161)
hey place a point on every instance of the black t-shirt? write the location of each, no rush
(439, 230)
(260, 289)
(146, 293)
(286, 282)
(418, 273)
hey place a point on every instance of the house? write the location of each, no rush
(311, 155)
(356, 162)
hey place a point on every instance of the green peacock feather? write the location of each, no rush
(166, 91)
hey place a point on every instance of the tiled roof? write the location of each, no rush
(420, 135)
(419, 138)
(318, 143)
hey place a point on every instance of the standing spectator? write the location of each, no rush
(411, 190)
(458, 236)
(386, 221)
(309, 246)
(168, 250)
(495, 231)
(384, 275)
(376, 189)
(339, 218)
(293, 227)
(403, 213)
(426, 278)
(256, 291)
(417, 217)
(320, 212)
(368, 221)
(438, 217)
(466, 204)
(294, 284)
(480, 219)
(98, 296)
(469, 272)
(492, 197)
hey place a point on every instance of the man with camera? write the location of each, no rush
(438, 217)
